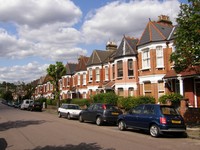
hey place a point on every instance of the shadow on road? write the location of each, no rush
(81, 146)
(18, 124)
(3, 144)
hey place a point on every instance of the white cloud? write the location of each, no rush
(45, 29)
(118, 18)
(25, 73)
(36, 13)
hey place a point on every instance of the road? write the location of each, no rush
(25, 130)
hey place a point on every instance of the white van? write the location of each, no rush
(25, 103)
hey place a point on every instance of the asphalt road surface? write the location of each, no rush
(25, 130)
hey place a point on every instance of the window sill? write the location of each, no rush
(145, 69)
(160, 67)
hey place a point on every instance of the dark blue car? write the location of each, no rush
(157, 119)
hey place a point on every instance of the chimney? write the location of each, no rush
(164, 19)
(111, 46)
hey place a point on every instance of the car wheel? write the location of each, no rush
(68, 116)
(154, 131)
(81, 118)
(122, 125)
(99, 121)
(59, 115)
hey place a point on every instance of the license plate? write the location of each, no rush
(176, 121)
(114, 113)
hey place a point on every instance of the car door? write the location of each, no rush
(146, 116)
(133, 115)
(86, 114)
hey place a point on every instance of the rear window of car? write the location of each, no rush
(38, 103)
(168, 110)
(73, 107)
(111, 107)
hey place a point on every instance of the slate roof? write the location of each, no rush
(155, 31)
(70, 68)
(99, 57)
(82, 63)
(127, 47)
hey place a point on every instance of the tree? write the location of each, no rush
(8, 96)
(56, 72)
(187, 40)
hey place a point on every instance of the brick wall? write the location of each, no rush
(190, 115)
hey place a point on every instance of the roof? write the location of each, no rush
(127, 47)
(82, 62)
(155, 31)
(193, 71)
(70, 68)
(99, 57)
(109, 85)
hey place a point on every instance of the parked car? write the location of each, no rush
(35, 105)
(69, 111)
(100, 113)
(25, 103)
(17, 104)
(155, 118)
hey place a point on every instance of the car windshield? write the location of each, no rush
(168, 110)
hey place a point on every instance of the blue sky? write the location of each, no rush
(36, 33)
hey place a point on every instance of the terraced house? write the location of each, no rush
(135, 67)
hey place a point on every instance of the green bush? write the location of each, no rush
(81, 102)
(127, 102)
(109, 98)
(145, 100)
(130, 102)
(42, 99)
(49, 101)
(174, 97)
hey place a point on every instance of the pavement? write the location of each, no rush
(193, 131)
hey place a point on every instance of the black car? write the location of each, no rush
(35, 106)
(100, 113)
(157, 119)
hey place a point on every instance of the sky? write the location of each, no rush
(37, 33)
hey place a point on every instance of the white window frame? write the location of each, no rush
(130, 67)
(84, 78)
(97, 70)
(106, 73)
(159, 57)
(90, 75)
(146, 59)
(161, 91)
(120, 69)
(130, 91)
(79, 79)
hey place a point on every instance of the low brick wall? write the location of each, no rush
(192, 116)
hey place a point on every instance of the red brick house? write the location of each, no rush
(154, 49)
(66, 83)
(135, 67)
